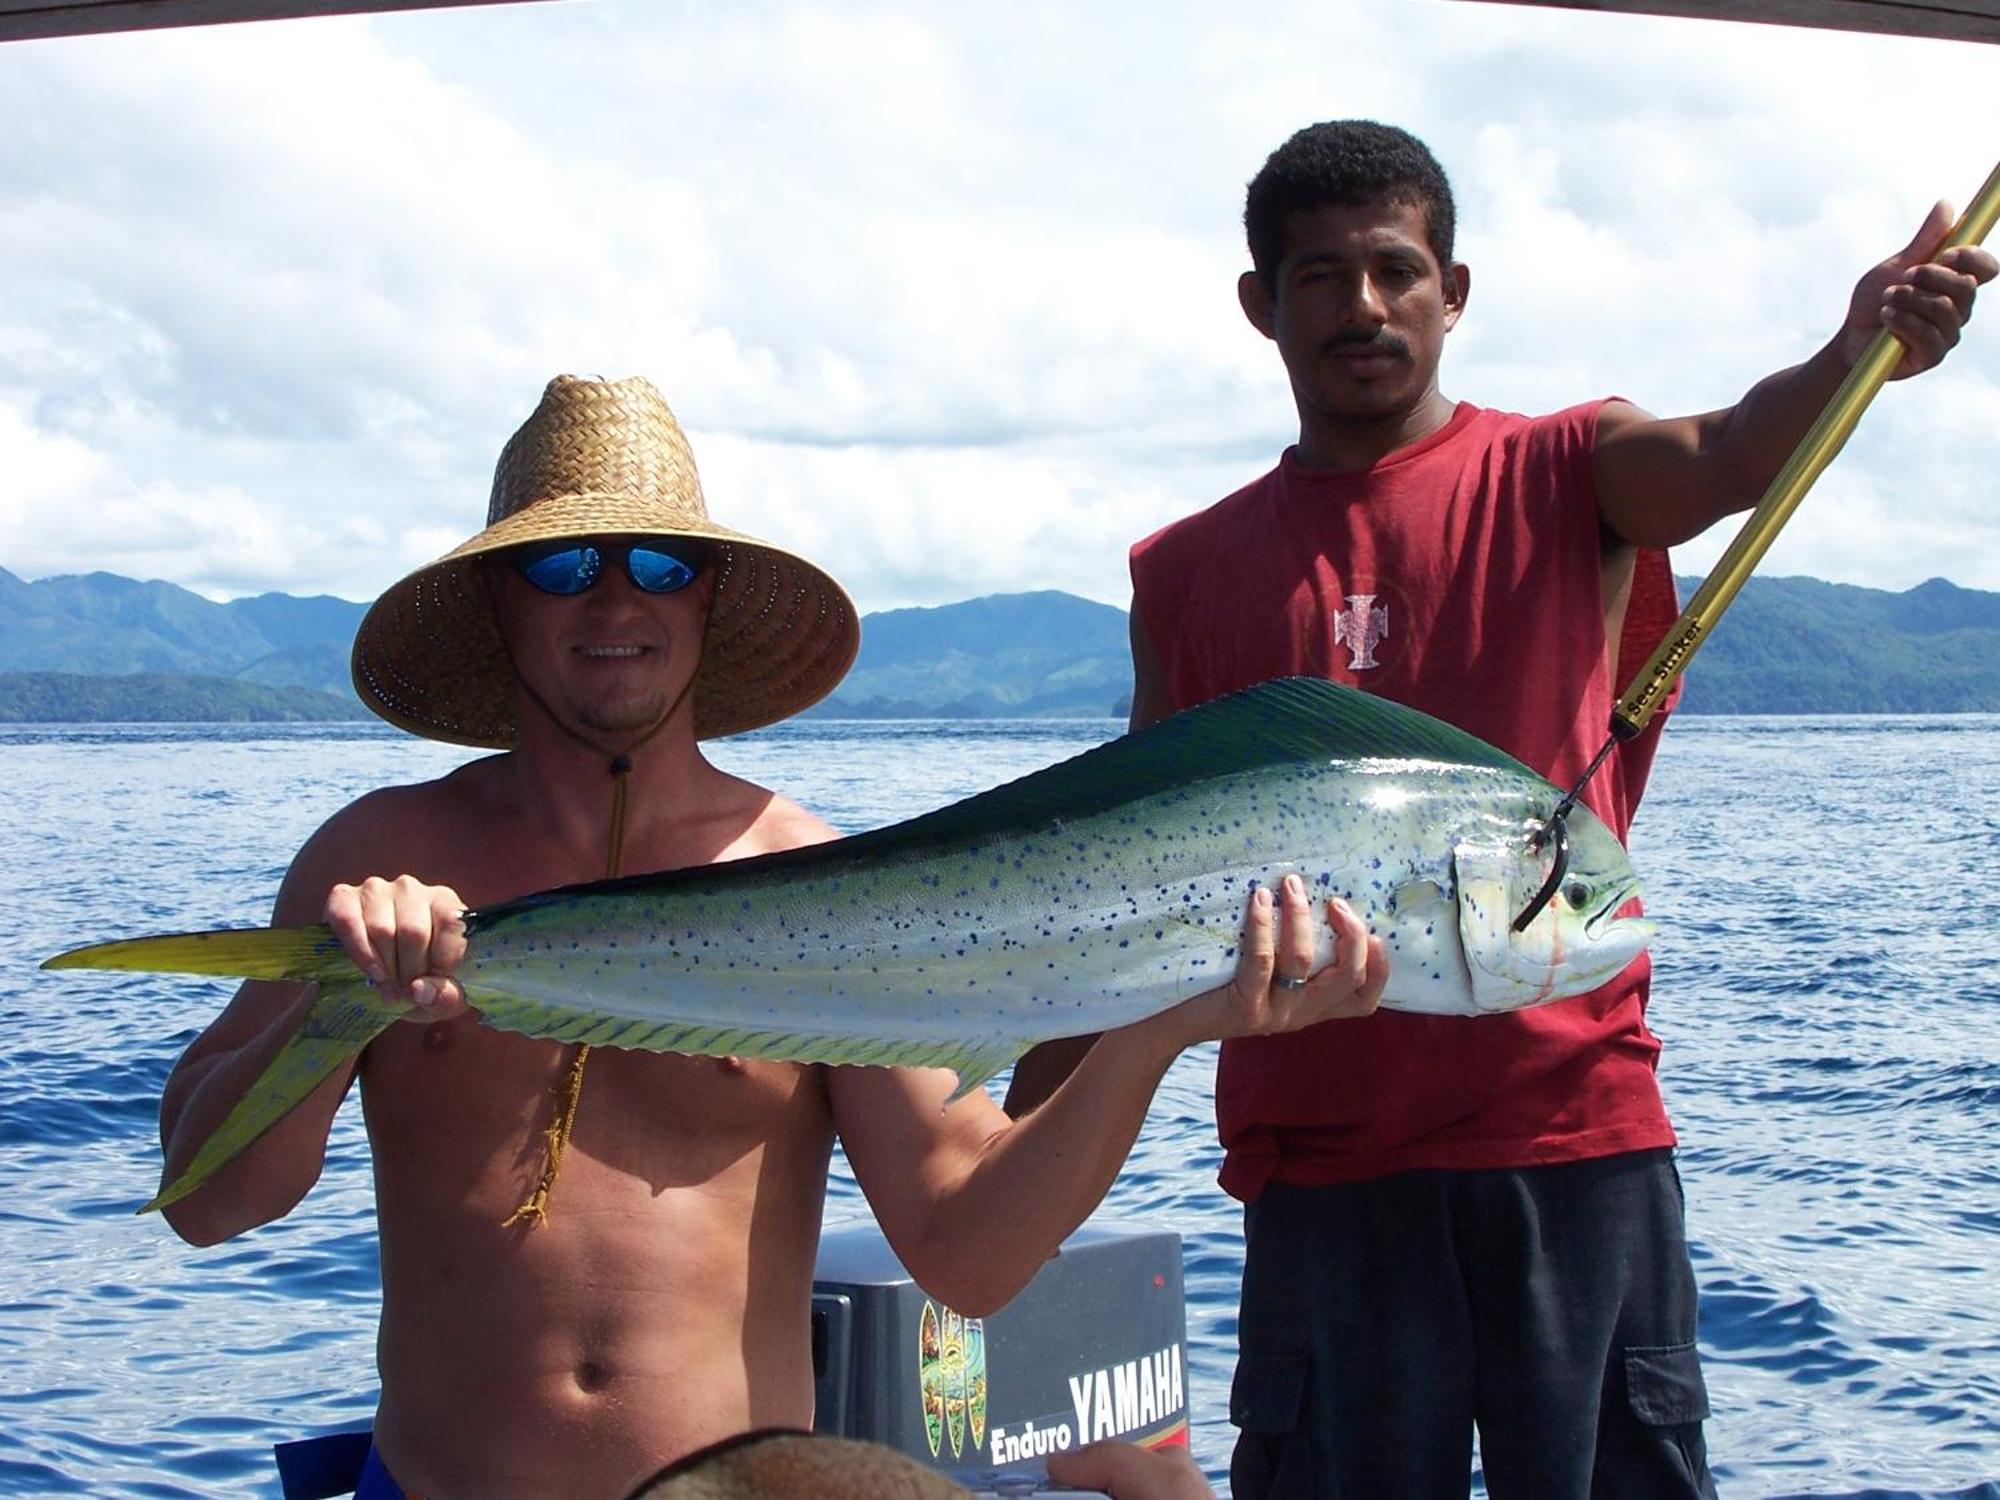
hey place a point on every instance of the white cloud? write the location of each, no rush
(70, 509)
(946, 293)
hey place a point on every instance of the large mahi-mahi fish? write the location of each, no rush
(1082, 897)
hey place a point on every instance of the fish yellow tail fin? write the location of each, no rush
(245, 952)
(345, 1019)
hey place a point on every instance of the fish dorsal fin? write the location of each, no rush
(1286, 721)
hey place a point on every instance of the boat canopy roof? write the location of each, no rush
(1954, 20)
(1958, 20)
(23, 20)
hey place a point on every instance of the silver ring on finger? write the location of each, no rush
(1287, 982)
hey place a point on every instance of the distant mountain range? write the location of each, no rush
(1027, 656)
(99, 648)
(101, 625)
(1800, 646)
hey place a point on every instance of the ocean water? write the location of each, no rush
(1828, 991)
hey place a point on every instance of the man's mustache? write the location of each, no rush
(1380, 341)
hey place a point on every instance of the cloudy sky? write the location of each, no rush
(944, 293)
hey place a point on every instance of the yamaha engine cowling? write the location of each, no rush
(1094, 1347)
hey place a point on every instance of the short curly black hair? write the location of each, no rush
(1345, 164)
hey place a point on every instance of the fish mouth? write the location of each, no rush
(1605, 919)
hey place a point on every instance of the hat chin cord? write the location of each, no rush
(569, 1091)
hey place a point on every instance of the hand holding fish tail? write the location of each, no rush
(407, 938)
(245, 1113)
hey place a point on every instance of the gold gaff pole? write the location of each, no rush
(1815, 451)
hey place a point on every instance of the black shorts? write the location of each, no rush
(1554, 1307)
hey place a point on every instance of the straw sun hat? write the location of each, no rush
(603, 458)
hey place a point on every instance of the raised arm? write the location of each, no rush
(396, 931)
(1665, 480)
(974, 1203)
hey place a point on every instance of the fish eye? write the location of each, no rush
(1577, 894)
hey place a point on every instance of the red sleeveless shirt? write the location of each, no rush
(1460, 575)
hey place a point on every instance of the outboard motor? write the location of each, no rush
(1094, 1347)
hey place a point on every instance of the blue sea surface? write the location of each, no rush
(1828, 991)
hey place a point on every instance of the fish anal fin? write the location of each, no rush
(343, 1020)
(538, 1018)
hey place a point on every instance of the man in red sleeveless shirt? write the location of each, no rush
(1454, 1223)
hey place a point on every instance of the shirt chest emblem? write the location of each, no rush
(1361, 627)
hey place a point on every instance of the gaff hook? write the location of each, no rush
(1556, 831)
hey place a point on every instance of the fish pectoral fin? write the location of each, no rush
(1415, 895)
(343, 1020)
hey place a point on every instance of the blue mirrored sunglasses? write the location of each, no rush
(659, 566)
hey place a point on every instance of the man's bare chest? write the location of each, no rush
(487, 1095)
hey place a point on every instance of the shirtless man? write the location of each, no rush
(575, 1295)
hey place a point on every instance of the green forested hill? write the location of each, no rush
(1040, 655)
(1797, 645)
(101, 647)
(102, 625)
(160, 698)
